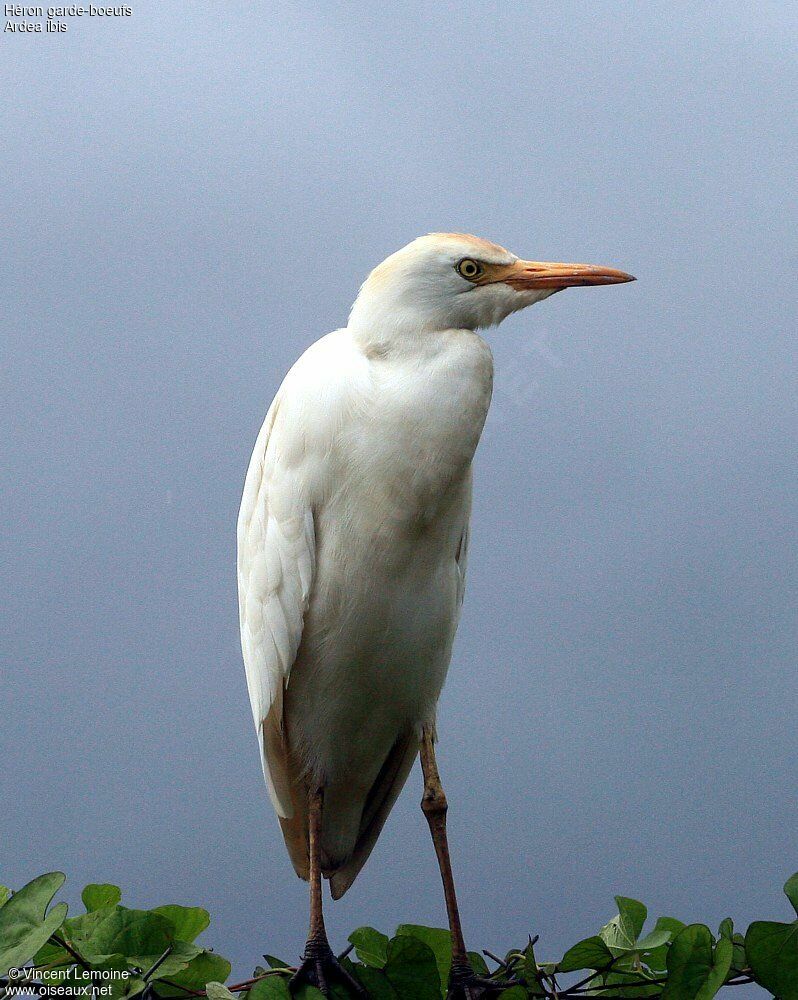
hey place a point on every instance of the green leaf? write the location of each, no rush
(654, 939)
(695, 970)
(76, 981)
(5, 894)
(531, 970)
(478, 963)
(99, 894)
(621, 933)
(25, 924)
(117, 930)
(634, 914)
(636, 981)
(375, 983)
(55, 977)
(340, 990)
(307, 992)
(205, 968)
(412, 968)
(188, 921)
(128, 989)
(71, 982)
(791, 890)
(52, 954)
(592, 953)
(530, 963)
(121, 989)
(772, 952)
(438, 941)
(180, 955)
(141, 936)
(270, 988)
(217, 991)
(276, 963)
(514, 993)
(739, 959)
(371, 946)
(656, 958)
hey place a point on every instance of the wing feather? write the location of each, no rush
(462, 563)
(276, 565)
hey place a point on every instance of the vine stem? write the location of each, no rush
(68, 947)
(245, 985)
(572, 991)
(591, 977)
(235, 988)
(158, 964)
(186, 989)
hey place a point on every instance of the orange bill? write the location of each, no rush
(528, 275)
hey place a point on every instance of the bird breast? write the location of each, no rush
(380, 447)
(409, 450)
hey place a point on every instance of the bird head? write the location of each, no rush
(450, 281)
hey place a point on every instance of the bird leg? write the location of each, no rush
(319, 964)
(464, 984)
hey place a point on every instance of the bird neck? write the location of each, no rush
(401, 342)
(381, 328)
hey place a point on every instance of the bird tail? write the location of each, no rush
(379, 802)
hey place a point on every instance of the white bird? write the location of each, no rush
(352, 547)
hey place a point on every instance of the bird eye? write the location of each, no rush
(468, 269)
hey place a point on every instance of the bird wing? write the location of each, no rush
(276, 564)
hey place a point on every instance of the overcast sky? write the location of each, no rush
(190, 197)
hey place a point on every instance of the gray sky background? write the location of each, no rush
(191, 196)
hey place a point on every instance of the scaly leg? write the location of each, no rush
(318, 961)
(464, 984)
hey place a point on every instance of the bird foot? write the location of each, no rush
(465, 984)
(319, 966)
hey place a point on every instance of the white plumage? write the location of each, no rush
(353, 535)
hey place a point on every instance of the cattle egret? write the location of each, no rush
(352, 547)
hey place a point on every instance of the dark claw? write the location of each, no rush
(465, 984)
(319, 965)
